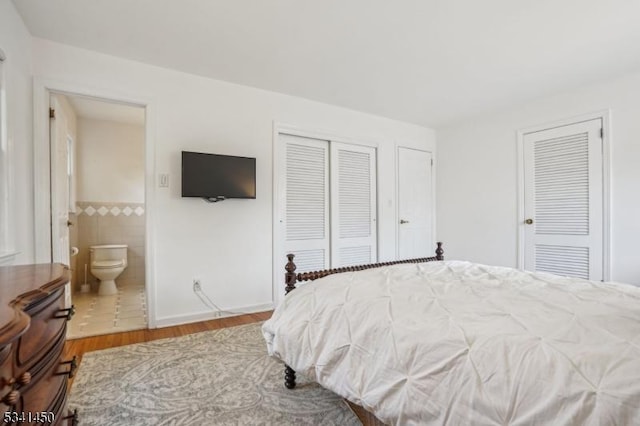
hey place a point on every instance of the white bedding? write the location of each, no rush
(460, 343)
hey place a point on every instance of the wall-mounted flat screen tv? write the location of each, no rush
(218, 177)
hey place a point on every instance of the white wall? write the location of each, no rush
(227, 245)
(110, 161)
(477, 172)
(15, 41)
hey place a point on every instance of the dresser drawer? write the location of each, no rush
(5, 375)
(48, 324)
(47, 389)
(33, 326)
(49, 397)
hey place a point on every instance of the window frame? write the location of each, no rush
(7, 251)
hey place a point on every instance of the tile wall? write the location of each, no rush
(111, 223)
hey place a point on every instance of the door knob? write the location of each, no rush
(529, 221)
(402, 221)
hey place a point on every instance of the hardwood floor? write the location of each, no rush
(79, 347)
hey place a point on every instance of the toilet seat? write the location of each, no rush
(104, 264)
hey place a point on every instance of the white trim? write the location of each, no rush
(150, 212)
(41, 177)
(606, 195)
(209, 315)
(42, 87)
(520, 208)
(397, 199)
(605, 116)
(321, 134)
(275, 226)
(7, 212)
(8, 257)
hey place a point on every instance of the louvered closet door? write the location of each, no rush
(563, 186)
(305, 206)
(353, 205)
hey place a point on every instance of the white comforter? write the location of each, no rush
(461, 343)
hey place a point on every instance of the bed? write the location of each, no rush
(429, 341)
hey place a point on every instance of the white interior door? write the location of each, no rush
(415, 203)
(353, 205)
(304, 202)
(563, 200)
(60, 189)
(59, 186)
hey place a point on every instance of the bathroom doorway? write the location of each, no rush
(98, 211)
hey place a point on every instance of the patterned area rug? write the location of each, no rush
(221, 377)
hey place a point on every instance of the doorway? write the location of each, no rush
(563, 222)
(415, 203)
(97, 193)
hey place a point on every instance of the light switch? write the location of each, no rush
(164, 181)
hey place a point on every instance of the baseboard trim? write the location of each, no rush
(8, 257)
(209, 315)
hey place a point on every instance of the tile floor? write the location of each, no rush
(96, 315)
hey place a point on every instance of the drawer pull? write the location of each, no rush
(73, 365)
(11, 398)
(72, 419)
(24, 379)
(67, 313)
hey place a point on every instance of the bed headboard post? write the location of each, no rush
(290, 276)
(439, 252)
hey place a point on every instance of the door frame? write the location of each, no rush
(397, 195)
(605, 116)
(42, 88)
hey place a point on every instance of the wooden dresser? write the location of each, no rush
(33, 325)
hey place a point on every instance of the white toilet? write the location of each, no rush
(107, 263)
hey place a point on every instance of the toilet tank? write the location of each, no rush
(109, 252)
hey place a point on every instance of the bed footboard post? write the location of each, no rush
(290, 284)
(439, 252)
(290, 275)
(289, 377)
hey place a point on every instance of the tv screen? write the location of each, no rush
(217, 177)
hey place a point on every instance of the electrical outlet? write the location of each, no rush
(196, 285)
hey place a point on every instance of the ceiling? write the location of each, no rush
(109, 111)
(429, 62)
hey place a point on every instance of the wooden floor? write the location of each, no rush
(79, 347)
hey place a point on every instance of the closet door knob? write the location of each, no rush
(529, 221)
(402, 221)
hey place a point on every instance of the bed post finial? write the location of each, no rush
(290, 276)
(439, 252)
